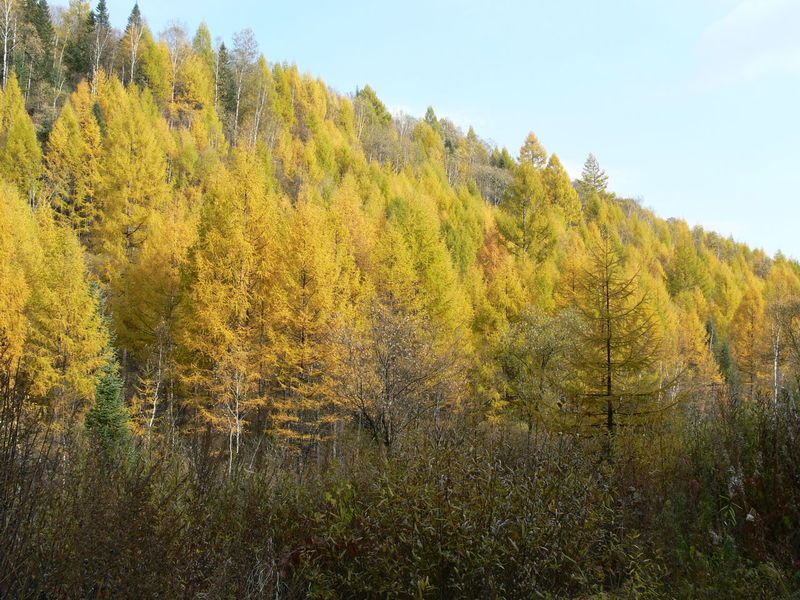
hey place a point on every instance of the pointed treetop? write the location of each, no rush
(202, 43)
(134, 19)
(430, 118)
(593, 178)
(533, 152)
(108, 420)
(554, 163)
(100, 15)
(37, 13)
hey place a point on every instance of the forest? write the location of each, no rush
(263, 339)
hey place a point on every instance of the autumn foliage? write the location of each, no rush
(294, 345)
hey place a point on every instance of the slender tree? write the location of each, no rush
(617, 340)
(593, 179)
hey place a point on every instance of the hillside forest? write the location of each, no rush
(260, 338)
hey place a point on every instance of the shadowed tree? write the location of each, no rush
(534, 359)
(108, 421)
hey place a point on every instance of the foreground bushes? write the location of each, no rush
(474, 513)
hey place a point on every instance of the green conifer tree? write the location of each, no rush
(108, 421)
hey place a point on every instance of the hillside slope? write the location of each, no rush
(258, 338)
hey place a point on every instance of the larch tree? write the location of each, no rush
(749, 340)
(69, 342)
(72, 162)
(533, 153)
(561, 192)
(134, 183)
(203, 47)
(686, 270)
(524, 218)
(617, 340)
(144, 305)
(313, 284)
(20, 154)
(15, 241)
(216, 329)
(51, 327)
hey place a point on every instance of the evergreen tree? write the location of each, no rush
(131, 45)
(79, 46)
(225, 87)
(101, 35)
(430, 119)
(34, 64)
(593, 179)
(100, 16)
(135, 18)
(108, 421)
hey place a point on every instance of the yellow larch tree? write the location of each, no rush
(749, 341)
(20, 154)
(315, 283)
(144, 305)
(782, 296)
(134, 183)
(560, 190)
(51, 331)
(72, 161)
(617, 339)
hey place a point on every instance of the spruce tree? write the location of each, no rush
(130, 45)
(225, 84)
(108, 420)
(78, 50)
(135, 18)
(100, 16)
(36, 14)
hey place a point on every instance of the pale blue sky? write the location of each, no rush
(690, 105)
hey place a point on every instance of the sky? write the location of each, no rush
(691, 106)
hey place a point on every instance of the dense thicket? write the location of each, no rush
(260, 338)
